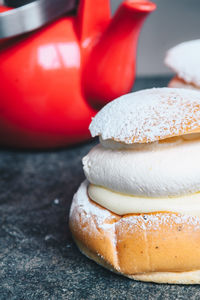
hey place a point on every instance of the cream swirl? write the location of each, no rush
(166, 168)
(122, 204)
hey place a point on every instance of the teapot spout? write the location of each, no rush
(110, 70)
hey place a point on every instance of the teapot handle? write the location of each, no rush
(32, 16)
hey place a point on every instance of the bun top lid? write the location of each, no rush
(148, 116)
(184, 60)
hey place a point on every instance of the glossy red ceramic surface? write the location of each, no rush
(54, 80)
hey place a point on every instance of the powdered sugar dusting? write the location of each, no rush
(106, 220)
(88, 210)
(154, 221)
(184, 59)
(148, 116)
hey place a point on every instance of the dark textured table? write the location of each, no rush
(38, 259)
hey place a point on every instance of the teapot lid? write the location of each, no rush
(30, 15)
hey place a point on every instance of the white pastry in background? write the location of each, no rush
(138, 212)
(184, 60)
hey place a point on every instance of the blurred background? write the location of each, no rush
(174, 21)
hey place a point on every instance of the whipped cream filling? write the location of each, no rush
(161, 169)
(122, 204)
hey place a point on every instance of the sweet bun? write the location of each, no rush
(148, 152)
(148, 116)
(180, 83)
(184, 60)
(148, 247)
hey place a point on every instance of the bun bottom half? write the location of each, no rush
(192, 277)
(160, 247)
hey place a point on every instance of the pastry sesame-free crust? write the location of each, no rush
(192, 277)
(180, 83)
(148, 116)
(160, 247)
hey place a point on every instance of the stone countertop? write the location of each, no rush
(38, 259)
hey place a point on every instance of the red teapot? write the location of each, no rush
(55, 79)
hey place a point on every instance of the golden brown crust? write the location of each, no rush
(177, 82)
(192, 277)
(138, 244)
(148, 116)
